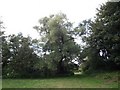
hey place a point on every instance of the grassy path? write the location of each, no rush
(106, 80)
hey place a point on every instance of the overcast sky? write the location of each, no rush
(22, 15)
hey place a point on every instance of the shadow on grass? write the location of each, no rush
(54, 77)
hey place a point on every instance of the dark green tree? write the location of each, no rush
(104, 40)
(1, 38)
(19, 58)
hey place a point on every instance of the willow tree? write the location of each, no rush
(59, 46)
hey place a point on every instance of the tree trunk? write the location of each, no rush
(60, 67)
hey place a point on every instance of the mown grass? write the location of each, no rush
(99, 80)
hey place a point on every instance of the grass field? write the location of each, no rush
(101, 80)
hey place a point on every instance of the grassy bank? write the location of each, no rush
(99, 80)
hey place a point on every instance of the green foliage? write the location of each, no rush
(17, 57)
(56, 50)
(106, 36)
(60, 48)
(1, 35)
(103, 43)
(52, 55)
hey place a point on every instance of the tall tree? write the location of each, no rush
(59, 46)
(1, 37)
(104, 41)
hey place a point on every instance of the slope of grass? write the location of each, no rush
(99, 80)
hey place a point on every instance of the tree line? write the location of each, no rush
(56, 52)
